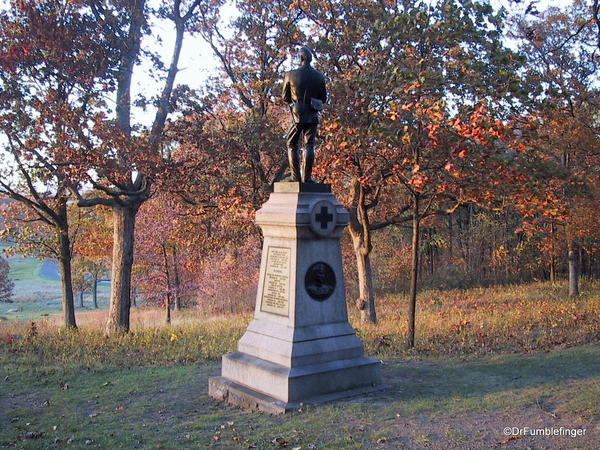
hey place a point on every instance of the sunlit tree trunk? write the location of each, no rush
(366, 296)
(167, 282)
(123, 240)
(361, 240)
(176, 280)
(414, 274)
(573, 256)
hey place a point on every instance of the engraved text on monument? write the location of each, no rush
(276, 288)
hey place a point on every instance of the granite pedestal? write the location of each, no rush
(300, 347)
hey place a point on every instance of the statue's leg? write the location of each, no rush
(293, 139)
(308, 153)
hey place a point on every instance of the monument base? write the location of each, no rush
(225, 390)
(289, 385)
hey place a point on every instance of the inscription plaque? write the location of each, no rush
(276, 288)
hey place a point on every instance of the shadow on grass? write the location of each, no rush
(487, 383)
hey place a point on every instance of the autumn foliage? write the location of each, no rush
(462, 160)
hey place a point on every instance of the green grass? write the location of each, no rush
(168, 407)
(485, 359)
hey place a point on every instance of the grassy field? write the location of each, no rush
(439, 403)
(486, 359)
(35, 295)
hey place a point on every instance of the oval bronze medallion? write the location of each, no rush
(319, 281)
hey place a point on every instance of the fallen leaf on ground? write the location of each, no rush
(32, 435)
(507, 440)
(279, 442)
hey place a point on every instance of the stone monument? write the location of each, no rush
(300, 347)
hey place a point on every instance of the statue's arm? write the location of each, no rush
(323, 93)
(286, 95)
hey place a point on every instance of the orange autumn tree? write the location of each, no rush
(563, 130)
(173, 239)
(93, 248)
(400, 75)
(35, 238)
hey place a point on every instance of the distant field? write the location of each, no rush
(37, 291)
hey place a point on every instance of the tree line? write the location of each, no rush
(458, 156)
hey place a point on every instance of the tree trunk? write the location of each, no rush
(552, 258)
(95, 292)
(450, 238)
(168, 283)
(176, 280)
(123, 240)
(414, 274)
(366, 296)
(81, 299)
(64, 263)
(361, 240)
(469, 239)
(573, 257)
(168, 309)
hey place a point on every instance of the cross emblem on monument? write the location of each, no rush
(324, 217)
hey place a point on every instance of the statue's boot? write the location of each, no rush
(294, 164)
(308, 158)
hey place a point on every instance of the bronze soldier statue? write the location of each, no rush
(304, 90)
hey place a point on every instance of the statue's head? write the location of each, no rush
(305, 56)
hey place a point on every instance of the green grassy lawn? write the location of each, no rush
(435, 402)
(485, 359)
